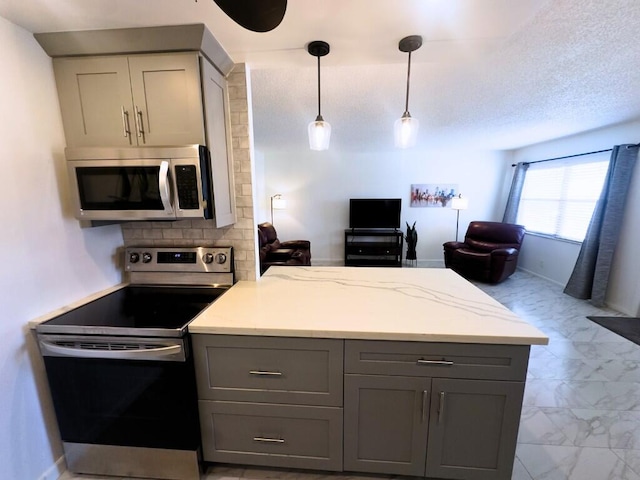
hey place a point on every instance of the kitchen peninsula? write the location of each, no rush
(396, 371)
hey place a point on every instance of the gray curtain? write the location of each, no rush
(591, 273)
(511, 210)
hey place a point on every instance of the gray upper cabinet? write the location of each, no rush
(218, 131)
(131, 100)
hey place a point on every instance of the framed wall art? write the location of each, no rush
(427, 195)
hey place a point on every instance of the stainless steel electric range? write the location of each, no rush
(120, 368)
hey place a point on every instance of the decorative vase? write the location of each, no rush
(412, 239)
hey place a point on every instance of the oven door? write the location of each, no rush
(119, 391)
(122, 189)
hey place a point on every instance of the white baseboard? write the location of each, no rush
(536, 274)
(55, 470)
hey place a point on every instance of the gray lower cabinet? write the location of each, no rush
(438, 428)
(271, 401)
(434, 410)
(385, 424)
(294, 436)
(473, 429)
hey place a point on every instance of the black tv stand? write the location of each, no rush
(373, 247)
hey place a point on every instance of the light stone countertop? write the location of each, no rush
(409, 304)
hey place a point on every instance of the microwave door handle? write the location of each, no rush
(165, 196)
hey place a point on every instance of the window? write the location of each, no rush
(559, 196)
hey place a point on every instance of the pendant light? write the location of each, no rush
(406, 128)
(319, 130)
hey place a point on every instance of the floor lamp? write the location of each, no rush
(278, 203)
(458, 203)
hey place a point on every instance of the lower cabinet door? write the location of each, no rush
(473, 429)
(385, 424)
(291, 436)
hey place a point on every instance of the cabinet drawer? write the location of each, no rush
(451, 360)
(273, 435)
(269, 369)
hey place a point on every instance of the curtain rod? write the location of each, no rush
(576, 155)
(568, 156)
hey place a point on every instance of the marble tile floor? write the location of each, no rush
(581, 414)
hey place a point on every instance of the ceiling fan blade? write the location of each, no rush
(254, 15)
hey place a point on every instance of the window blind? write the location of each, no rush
(558, 197)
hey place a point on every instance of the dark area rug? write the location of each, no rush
(627, 327)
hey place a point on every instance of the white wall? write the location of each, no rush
(318, 185)
(47, 260)
(557, 257)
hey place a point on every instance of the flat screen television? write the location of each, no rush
(374, 212)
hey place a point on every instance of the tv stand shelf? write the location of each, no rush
(373, 247)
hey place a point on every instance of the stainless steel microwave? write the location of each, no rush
(141, 183)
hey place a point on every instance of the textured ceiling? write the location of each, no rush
(491, 74)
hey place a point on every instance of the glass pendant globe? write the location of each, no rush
(406, 131)
(319, 135)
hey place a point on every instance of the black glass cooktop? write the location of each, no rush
(136, 310)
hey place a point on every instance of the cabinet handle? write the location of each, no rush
(265, 373)
(425, 405)
(268, 440)
(441, 407)
(125, 122)
(445, 363)
(139, 124)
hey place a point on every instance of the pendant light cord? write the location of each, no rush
(319, 114)
(406, 105)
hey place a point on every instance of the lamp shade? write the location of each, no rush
(278, 202)
(405, 131)
(319, 135)
(459, 203)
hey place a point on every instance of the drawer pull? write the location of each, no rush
(265, 373)
(446, 363)
(268, 440)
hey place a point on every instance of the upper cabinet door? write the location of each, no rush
(95, 101)
(167, 101)
(218, 129)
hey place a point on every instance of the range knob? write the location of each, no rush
(134, 257)
(207, 258)
(221, 258)
(146, 257)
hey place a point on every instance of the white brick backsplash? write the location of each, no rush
(212, 233)
(172, 233)
(151, 233)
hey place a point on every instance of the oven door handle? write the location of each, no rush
(138, 354)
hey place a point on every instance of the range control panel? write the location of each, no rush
(182, 259)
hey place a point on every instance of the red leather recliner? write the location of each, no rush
(489, 252)
(275, 252)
